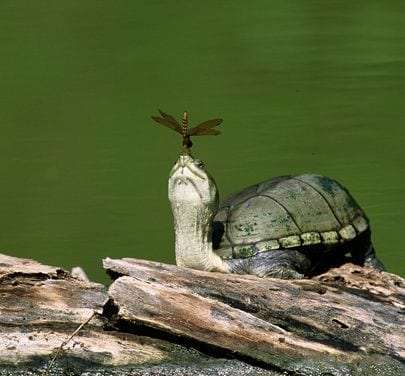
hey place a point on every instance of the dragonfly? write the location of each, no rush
(206, 128)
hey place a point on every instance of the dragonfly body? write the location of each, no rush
(206, 128)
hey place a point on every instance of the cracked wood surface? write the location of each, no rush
(345, 322)
(35, 294)
(348, 317)
(40, 306)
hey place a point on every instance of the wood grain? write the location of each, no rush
(347, 316)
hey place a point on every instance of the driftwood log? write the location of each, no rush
(159, 319)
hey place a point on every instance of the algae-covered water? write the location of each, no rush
(302, 86)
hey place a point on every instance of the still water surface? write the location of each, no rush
(303, 86)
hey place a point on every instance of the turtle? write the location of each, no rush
(284, 227)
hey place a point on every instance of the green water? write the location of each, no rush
(303, 86)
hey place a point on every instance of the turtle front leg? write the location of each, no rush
(285, 264)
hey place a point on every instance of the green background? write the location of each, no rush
(303, 86)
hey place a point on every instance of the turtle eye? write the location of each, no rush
(199, 163)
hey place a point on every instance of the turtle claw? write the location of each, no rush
(282, 273)
(375, 263)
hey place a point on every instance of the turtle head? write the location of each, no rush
(193, 197)
(189, 182)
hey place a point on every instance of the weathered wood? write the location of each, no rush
(41, 306)
(35, 294)
(13, 266)
(348, 320)
(345, 322)
(78, 273)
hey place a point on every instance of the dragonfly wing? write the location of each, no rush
(206, 128)
(170, 118)
(207, 132)
(169, 121)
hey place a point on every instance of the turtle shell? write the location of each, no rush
(286, 212)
